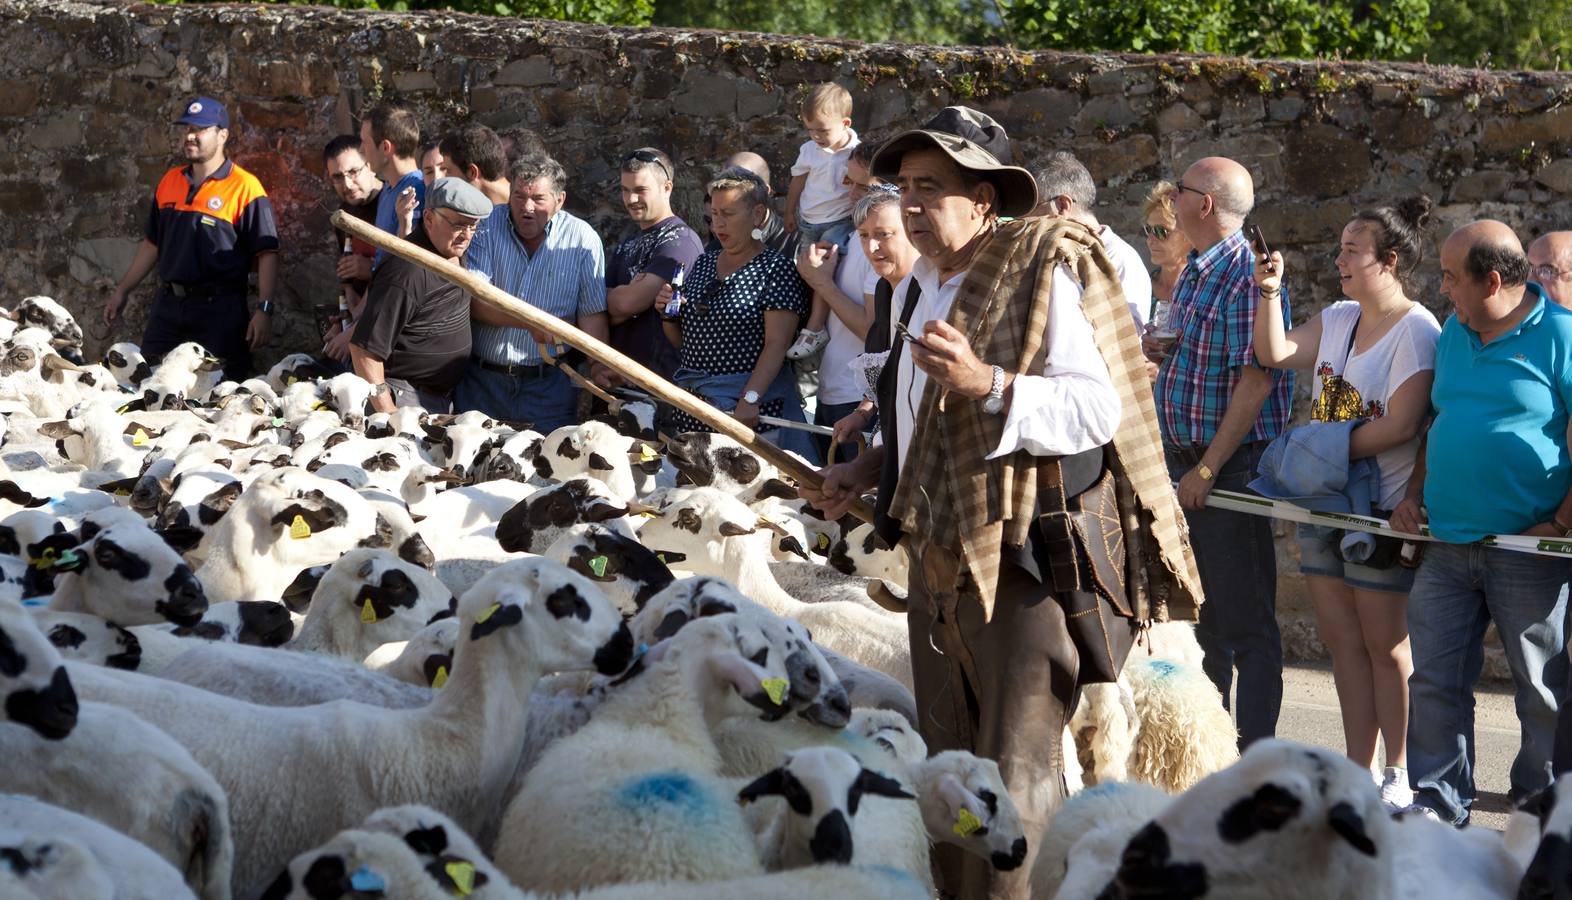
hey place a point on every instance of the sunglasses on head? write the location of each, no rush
(1160, 232)
(647, 156)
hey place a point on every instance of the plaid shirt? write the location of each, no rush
(1214, 314)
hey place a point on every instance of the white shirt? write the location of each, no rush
(1362, 384)
(856, 278)
(1071, 407)
(1133, 277)
(824, 197)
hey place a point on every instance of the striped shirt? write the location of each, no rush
(566, 277)
(1214, 314)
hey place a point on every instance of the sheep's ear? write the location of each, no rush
(181, 538)
(790, 544)
(493, 618)
(671, 624)
(431, 840)
(871, 782)
(10, 490)
(134, 426)
(1349, 826)
(434, 433)
(772, 525)
(122, 486)
(597, 463)
(770, 784)
(775, 487)
(234, 444)
(956, 797)
(315, 519)
(216, 504)
(732, 529)
(56, 430)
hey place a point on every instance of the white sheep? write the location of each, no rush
(127, 364)
(704, 459)
(1185, 732)
(31, 829)
(366, 599)
(589, 450)
(120, 570)
(347, 760)
(50, 867)
(716, 534)
(425, 659)
(1539, 838)
(1081, 845)
(634, 794)
(628, 572)
(150, 649)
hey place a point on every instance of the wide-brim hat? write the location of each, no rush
(974, 142)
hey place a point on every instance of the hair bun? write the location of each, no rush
(1415, 211)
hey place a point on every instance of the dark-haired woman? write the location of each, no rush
(1373, 358)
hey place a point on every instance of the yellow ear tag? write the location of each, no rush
(824, 541)
(441, 678)
(298, 529)
(463, 875)
(291, 380)
(597, 564)
(966, 824)
(368, 613)
(319, 405)
(646, 453)
(138, 438)
(122, 410)
(776, 689)
(487, 613)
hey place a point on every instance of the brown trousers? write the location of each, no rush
(1002, 689)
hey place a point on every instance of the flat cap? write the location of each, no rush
(460, 196)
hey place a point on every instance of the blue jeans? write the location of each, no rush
(1237, 560)
(723, 392)
(547, 402)
(827, 414)
(1458, 590)
(837, 232)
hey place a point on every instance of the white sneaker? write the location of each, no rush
(1395, 792)
(1418, 809)
(808, 343)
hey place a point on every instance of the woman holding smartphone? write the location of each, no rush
(1373, 356)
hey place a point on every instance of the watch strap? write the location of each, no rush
(1205, 471)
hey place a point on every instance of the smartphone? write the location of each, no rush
(905, 335)
(1258, 242)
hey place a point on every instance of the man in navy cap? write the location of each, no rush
(209, 221)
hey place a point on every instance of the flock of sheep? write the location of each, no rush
(256, 642)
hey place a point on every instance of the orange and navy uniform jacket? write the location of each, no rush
(208, 233)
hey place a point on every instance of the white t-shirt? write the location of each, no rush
(824, 198)
(1361, 385)
(1133, 277)
(837, 382)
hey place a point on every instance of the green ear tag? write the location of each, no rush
(597, 564)
(278, 421)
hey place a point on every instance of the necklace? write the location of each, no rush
(1394, 311)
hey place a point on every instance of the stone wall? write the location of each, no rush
(89, 87)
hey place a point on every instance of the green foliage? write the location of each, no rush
(1395, 29)
(910, 21)
(1523, 34)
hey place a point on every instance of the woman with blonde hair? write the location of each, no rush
(1165, 244)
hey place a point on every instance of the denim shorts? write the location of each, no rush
(1319, 555)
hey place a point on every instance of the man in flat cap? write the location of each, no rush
(412, 341)
(1036, 507)
(210, 221)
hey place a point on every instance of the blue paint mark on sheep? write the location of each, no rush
(1101, 789)
(676, 790)
(1161, 668)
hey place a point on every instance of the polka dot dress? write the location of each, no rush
(723, 318)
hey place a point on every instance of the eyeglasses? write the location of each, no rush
(460, 227)
(348, 175)
(648, 156)
(1181, 187)
(1159, 232)
(1547, 273)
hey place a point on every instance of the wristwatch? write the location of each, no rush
(1205, 471)
(751, 398)
(993, 404)
(266, 306)
(1566, 533)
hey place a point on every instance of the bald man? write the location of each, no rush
(1494, 462)
(1550, 266)
(1218, 410)
(776, 237)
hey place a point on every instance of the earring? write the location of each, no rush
(757, 234)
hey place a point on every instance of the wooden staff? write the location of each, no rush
(657, 386)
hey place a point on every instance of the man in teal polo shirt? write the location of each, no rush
(1495, 462)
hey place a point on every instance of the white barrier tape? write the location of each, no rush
(763, 420)
(1280, 509)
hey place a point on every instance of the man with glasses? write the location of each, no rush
(547, 257)
(210, 221)
(1065, 190)
(413, 341)
(1550, 266)
(646, 262)
(1218, 410)
(358, 189)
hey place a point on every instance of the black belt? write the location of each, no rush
(199, 291)
(533, 370)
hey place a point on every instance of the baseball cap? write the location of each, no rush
(975, 142)
(204, 111)
(460, 196)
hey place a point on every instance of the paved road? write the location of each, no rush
(1310, 716)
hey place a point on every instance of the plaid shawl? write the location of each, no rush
(1002, 306)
